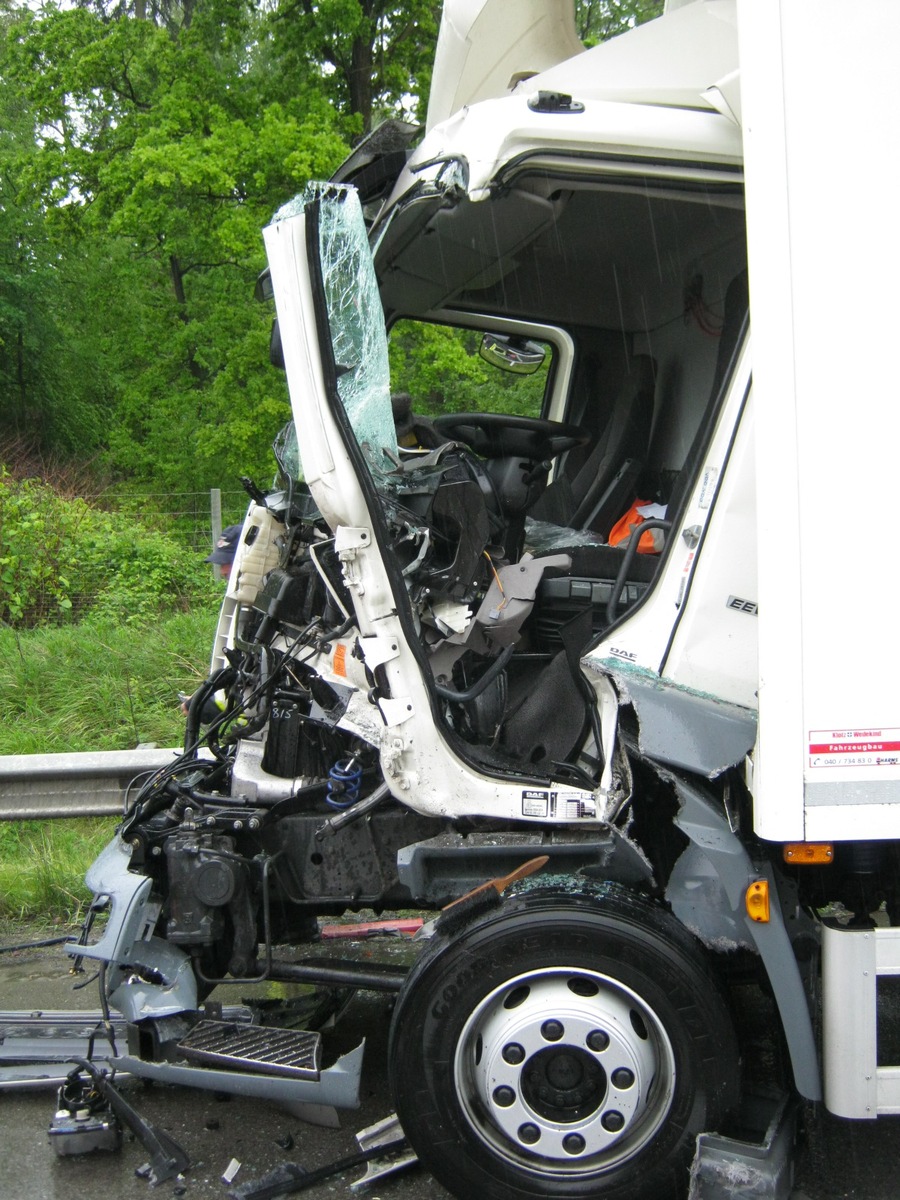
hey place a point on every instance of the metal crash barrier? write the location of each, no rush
(36, 787)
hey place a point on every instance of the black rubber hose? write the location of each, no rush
(630, 551)
(480, 684)
(55, 941)
(222, 677)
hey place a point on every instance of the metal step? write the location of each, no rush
(264, 1049)
(39, 1047)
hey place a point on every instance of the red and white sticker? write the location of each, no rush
(854, 748)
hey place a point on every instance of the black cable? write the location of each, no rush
(480, 684)
(104, 1008)
(188, 758)
(56, 941)
(77, 987)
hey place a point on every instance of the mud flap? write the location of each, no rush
(734, 1169)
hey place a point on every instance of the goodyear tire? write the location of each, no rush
(563, 1046)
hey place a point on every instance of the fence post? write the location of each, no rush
(215, 518)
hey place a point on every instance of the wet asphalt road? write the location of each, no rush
(851, 1161)
(212, 1129)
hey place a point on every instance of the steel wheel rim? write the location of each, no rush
(565, 1068)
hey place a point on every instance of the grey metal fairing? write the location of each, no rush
(684, 729)
(451, 864)
(706, 890)
(128, 942)
(336, 1086)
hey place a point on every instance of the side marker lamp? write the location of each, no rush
(756, 899)
(808, 854)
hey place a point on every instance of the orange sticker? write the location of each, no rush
(339, 663)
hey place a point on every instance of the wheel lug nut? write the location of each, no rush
(504, 1096)
(552, 1031)
(513, 1054)
(573, 1143)
(622, 1078)
(597, 1040)
(612, 1121)
(529, 1134)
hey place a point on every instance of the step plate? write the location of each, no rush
(264, 1049)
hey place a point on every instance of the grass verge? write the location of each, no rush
(42, 866)
(91, 686)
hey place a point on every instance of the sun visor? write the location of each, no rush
(431, 253)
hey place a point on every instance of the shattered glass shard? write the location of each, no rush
(356, 322)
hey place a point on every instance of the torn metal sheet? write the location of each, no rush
(388, 1136)
(685, 729)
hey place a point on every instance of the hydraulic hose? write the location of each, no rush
(480, 684)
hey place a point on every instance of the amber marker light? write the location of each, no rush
(757, 901)
(808, 854)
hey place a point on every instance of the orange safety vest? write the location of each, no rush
(651, 542)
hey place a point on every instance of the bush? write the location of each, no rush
(62, 558)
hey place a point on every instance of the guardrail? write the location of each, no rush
(36, 787)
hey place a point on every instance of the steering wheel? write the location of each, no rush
(504, 435)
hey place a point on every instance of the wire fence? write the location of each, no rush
(109, 553)
(196, 518)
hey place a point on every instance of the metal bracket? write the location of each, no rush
(853, 960)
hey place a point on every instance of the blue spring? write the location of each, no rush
(344, 780)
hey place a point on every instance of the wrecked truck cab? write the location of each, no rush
(406, 715)
(488, 645)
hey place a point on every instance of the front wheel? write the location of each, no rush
(563, 1046)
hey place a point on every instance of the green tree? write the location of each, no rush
(49, 383)
(373, 57)
(158, 160)
(441, 369)
(597, 20)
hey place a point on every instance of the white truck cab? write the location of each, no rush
(614, 626)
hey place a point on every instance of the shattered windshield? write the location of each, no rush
(356, 322)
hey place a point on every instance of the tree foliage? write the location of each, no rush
(155, 161)
(371, 56)
(598, 20)
(441, 369)
(62, 558)
(144, 144)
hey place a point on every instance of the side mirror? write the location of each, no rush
(264, 290)
(515, 354)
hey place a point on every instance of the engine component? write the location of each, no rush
(83, 1120)
(201, 882)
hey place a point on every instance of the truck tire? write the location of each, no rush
(563, 1046)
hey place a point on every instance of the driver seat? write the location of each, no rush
(603, 487)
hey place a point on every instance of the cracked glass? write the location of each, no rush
(356, 323)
